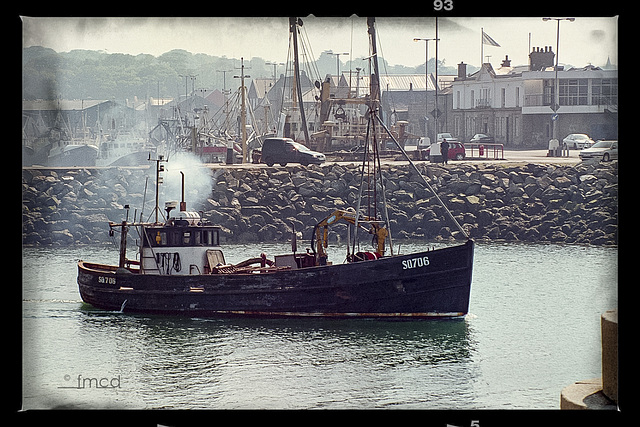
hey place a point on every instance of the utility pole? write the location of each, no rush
(556, 102)
(426, 81)
(243, 110)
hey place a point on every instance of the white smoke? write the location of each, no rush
(197, 181)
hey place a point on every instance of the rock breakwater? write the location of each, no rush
(509, 202)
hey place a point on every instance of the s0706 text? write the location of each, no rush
(415, 262)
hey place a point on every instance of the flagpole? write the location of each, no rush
(481, 45)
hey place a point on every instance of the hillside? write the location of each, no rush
(84, 74)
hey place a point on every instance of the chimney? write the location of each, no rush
(506, 62)
(462, 70)
(541, 58)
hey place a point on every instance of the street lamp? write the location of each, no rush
(426, 80)
(556, 102)
(275, 64)
(330, 52)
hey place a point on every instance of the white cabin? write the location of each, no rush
(182, 246)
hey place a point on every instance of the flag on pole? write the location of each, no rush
(486, 39)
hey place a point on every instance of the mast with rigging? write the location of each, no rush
(293, 28)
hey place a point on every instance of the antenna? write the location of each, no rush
(159, 168)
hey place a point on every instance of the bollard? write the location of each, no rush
(598, 393)
(609, 330)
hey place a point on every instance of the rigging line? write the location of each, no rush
(404, 153)
(386, 73)
(312, 69)
(284, 81)
(358, 205)
(385, 211)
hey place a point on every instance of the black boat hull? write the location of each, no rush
(434, 283)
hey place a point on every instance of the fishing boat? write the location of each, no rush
(182, 271)
(181, 268)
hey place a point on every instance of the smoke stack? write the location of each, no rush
(183, 204)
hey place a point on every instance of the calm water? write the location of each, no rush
(533, 328)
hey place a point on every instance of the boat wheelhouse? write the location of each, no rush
(183, 245)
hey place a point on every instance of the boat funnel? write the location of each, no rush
(183, 204)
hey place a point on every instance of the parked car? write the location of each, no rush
(286, 150)
(605, 150)
(481, 138)
(456, 151)
(414, 144)
(578, 140)
(446, 136)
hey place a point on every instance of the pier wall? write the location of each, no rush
(576, 204)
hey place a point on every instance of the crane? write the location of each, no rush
(319, 238)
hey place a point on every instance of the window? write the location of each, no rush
(210, 237)
(503, 97)
(186, 238)
(604, 91)
(548, 92)
(161, 238)
(517, 96)
(182, 237)
(485, 100)
(573, 91)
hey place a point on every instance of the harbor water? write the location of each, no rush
(533, 328)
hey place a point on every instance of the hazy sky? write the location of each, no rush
(586, 40)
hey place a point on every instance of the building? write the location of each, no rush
(588, 103)
(488, 101)
(514, 104)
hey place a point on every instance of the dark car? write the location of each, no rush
(481, 138)
(286, 150)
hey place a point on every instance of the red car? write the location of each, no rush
(456, 151)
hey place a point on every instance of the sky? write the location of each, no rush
(587, 40)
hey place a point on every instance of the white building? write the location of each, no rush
(490, 102)
(588, 103)
(513, 104)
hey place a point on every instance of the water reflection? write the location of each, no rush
(282, 363)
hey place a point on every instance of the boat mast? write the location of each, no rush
(375, 76)
(159, 168)
(293, 28)
(376, 175)
(243, 111)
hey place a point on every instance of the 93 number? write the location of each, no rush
(443, 5)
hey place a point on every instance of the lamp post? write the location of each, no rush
(426, 80)
(275, 65)
(556, 89)
(329, 52)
